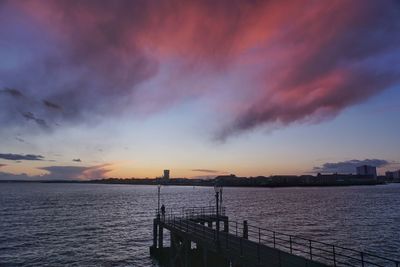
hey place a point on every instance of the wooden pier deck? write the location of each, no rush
(195, 241)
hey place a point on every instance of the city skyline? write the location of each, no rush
(130, 88)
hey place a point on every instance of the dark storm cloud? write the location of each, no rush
(92, 70)
(350, 165)
(21, 157)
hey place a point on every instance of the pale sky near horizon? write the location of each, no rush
(126, 89)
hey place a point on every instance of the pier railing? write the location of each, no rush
(194, 212)
(330, 254)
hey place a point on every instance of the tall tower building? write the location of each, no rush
(166, 174)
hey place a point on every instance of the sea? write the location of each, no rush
(68, 224)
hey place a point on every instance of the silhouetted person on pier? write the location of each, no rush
(163, 212)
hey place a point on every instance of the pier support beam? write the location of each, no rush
(226, 225)
(160, 236)
(155, 223)
(205, 257)
(186, 248)
(172, 250)
(245, 230)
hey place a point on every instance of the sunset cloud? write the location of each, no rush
(301, 61)
(62, 173)
(75, 172)
(205, 170)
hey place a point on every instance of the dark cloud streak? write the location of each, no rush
(51, 105)
(12, 92)
(21, 157)
(30, 116)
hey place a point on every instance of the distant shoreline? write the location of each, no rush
(265, 182)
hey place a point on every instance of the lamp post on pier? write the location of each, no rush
(158, 203)
(218, 191)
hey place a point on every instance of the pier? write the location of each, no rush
(205, 237)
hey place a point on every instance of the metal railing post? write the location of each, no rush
(362, 259)
(258, 247)
(236, 229)
(227, 236)
(274, 238)
(334, 255)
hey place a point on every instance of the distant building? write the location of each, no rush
(366, 170)
(395, 175)
(166, 174)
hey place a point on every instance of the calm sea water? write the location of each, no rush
(111, 225)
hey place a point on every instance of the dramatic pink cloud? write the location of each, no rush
(304, 61)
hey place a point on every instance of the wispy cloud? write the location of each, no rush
(30, 116)
(51, 105)
(12, 92)
(205, 170)
(349, 166)
(19, 139)
(21, 157)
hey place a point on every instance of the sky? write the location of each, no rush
(93, 88)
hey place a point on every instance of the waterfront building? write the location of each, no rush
(394, 175)
(366, 170)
